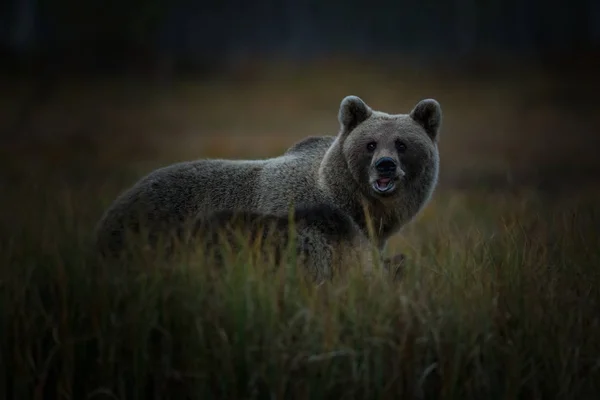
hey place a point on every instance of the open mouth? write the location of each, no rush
(383, 185)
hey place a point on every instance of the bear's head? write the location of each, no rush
(388, 154)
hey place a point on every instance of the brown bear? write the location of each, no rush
(380, 170)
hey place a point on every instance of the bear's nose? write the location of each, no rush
(385, 165)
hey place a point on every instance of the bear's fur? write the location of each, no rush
(333, 170)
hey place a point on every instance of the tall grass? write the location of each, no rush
(499, 300)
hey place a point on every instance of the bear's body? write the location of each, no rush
(382, 163)
(173, 197)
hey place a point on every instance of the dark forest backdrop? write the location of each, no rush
(223, 32)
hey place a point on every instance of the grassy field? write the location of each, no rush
(499, 299)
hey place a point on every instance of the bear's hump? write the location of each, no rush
(311, 144)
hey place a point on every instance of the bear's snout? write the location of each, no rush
(386, 166)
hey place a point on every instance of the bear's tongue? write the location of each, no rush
(382, 183)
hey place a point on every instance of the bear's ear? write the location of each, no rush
(353, 111)
(428, 114)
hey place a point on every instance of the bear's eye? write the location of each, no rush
(371, 146)
(401, 147)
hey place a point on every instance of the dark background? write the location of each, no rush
(214, 33)
(517, 79)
